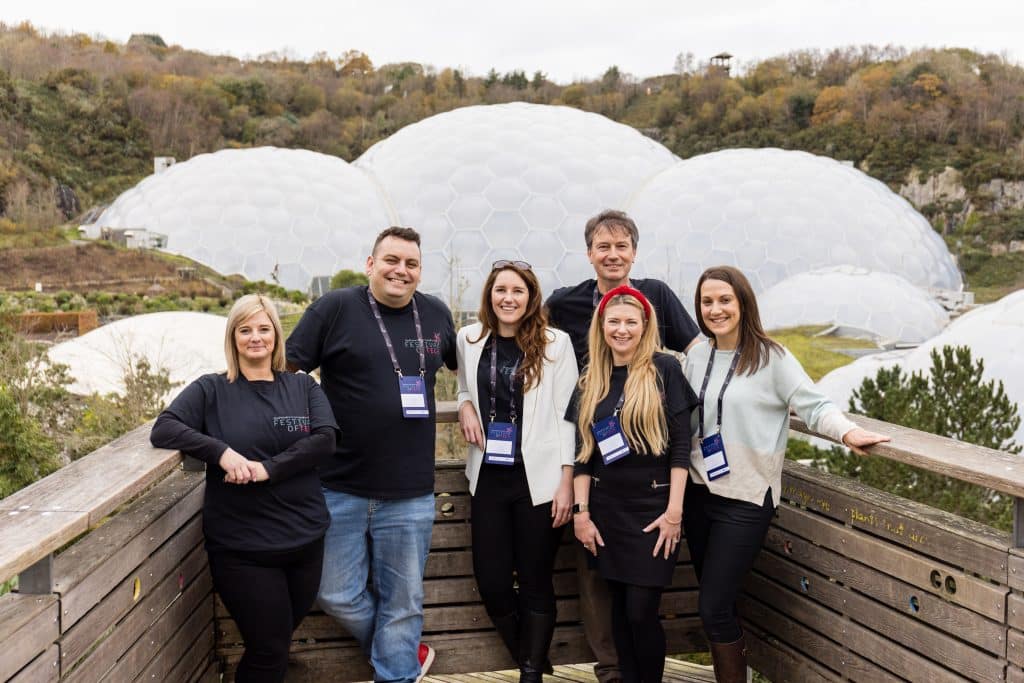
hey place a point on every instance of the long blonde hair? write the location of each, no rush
(643, 414)
(246, 307)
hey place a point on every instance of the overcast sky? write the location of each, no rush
(567, 39)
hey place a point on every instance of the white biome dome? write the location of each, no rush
(186, 344)
(509, 181)
(994, 333)
(880, 305)
(265, 213)
(775, 213)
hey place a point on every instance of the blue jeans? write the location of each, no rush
(386, 540)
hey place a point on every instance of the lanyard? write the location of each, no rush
(387, 337)
(494, 383)
(721, 394)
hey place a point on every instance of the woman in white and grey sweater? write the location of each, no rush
(746, 383)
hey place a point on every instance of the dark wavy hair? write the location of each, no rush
(754, 344)
(531, 336)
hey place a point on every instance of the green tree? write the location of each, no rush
(26, 453)
(951, 400)
(348, 278)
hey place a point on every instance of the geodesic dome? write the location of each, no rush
(881, 305)
(515, 181)
(265, 213)
(776, 213)
(994, 333)
(186, 344)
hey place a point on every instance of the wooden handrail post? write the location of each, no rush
(1018, 522)
(37, 579)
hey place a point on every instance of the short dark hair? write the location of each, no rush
(398, 232)
(611, 220)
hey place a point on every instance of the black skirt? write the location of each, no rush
(620, 516)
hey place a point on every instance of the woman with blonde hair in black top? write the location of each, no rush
(633, 418)
(261, 432)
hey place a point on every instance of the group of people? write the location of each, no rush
(571, 411)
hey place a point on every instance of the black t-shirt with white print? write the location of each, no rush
(273, 422)
(380, 453)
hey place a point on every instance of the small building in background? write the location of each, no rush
(318, 286)
(134, 238)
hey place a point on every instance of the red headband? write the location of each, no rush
(625, 289)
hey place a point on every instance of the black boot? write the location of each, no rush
(535, 631)
(508, 628)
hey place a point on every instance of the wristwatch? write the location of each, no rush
(580, 507)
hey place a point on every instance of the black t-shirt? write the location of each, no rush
(380, 454)
(509, 358)
(271, 422)
(678, 400)
(571, 309)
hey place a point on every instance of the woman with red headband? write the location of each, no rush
(516, 377)
(632, 411)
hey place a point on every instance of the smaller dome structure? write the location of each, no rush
(267, 213)
(881, 305)
(186, 344)
(994, 333)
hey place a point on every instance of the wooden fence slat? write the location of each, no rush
(778, 662)
(28, 536)
(954, 540)
(28, 624)
(857, 638)
(976, 594)
(44, 669)
(907, 632)
(1015, 647)
(1015, 577)
(79, 597)
(174, 649)
(935, 610)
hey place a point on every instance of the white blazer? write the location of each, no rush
(549, 442)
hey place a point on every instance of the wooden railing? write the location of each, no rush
(853, 584)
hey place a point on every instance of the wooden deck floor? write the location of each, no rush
(680, 672)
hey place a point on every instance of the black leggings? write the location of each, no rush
(724, 536)
(513, 542)
(639, 637)
(268, 594)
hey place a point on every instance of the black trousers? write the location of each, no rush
(513, 543)
(639, 637)
(268, 594)
(724, 536)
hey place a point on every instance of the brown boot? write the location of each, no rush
(730, 660)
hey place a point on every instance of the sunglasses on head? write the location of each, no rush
(505, 263)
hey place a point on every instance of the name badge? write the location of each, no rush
(414, 397)
(610, 439)
(715, 462)
(501, 444)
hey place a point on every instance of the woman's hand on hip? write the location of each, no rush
(587, 533)
(470, 424)
(668, 534)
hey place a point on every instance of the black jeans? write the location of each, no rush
(724, 536)
(513, 542)
(268, 594)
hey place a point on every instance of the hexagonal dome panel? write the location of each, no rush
(883, 305)
(260, 212)
(518, 172)
(809, 211)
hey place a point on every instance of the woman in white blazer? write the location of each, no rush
(516, 377)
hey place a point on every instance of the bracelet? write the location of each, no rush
(675, 523)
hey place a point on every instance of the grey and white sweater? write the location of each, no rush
(755, 420)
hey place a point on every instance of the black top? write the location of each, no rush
(679, 401)
(287, 425)
(509, 356)
(571, 309)
(381, 454)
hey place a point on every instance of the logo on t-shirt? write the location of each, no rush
(431, 347)
(292, 423)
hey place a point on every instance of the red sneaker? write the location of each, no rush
(426, 657)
